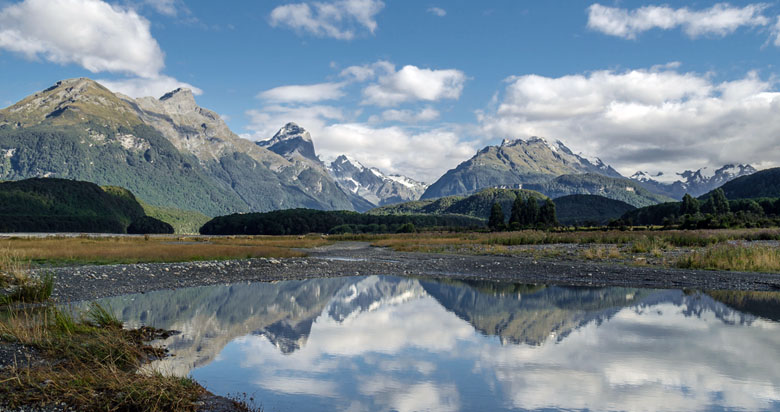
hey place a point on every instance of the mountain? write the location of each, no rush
(515, 164)
(589, 209)
(765, 183)
(617, 188)
(695, 183)
(292, 141)
(373, 185)
(59, 205)
(168, 151)
(477, 205)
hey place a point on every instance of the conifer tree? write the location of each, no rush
(690, 206)
(530, 213)
(496, 221)
(516, 216)
(547, 214)
(721, 204)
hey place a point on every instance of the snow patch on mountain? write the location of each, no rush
(372, 184)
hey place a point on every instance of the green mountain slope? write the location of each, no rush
(59, 205)
(168, 151)
(616, 188)
(585, 209)
(477, 205)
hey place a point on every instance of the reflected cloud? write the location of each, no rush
(400, 344)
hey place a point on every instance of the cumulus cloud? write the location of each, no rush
(95, 35)
(718, 20)
(437, 11)
(304, 93)
(412, 83)
(155, 87)
(658, 119)
(91, 33)
(338, 19)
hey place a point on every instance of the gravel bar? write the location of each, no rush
(356, 259)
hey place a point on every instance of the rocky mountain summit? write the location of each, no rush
(373, 185)
(693, 182)
(513, 164)
(291, 141)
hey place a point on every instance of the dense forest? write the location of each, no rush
(302, 221)
(712, 211)
(59, 205)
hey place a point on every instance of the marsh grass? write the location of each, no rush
(734, 257)
(601, 253)
(15, 275)
(653, 245)
(114, 250)
(92, 365)
(641, 241)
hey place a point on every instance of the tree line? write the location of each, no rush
(303, 221)
(713, 212)
(525, 214)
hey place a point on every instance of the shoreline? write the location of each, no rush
(86, 282)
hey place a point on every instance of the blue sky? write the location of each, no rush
(416, 87)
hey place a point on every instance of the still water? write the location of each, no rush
(384, 343)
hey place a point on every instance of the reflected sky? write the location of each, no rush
(401, 344)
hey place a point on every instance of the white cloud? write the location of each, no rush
(91, 33)
(264, 123)
(659, 119)
(776, 32)
(719, 20)
(167, 7)
(338, 19)
(412, 83)
(437, 11)
(368, 71)
(304, 93)
(406, 116)
(140, 87)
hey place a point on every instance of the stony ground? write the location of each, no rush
(349, 259)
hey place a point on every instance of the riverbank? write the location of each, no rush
(359, 258)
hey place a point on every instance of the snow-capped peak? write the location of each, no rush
(372, 184)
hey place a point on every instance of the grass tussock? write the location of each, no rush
(650, 244)
(19, 284)
(93, 365)
(734, 257)
(114, 250)
(601, 253)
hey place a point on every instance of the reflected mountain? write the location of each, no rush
(284, 312)
(529, 314)
(762, 304)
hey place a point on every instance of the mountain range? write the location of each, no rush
(694, 183)
(172, 153)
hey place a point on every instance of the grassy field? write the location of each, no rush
(695, 249)
(114, 250)
(692, 249)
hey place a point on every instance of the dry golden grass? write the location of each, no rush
(105, 250)
(734, 257)
(601, 253)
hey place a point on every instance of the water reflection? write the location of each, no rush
(388, 343)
